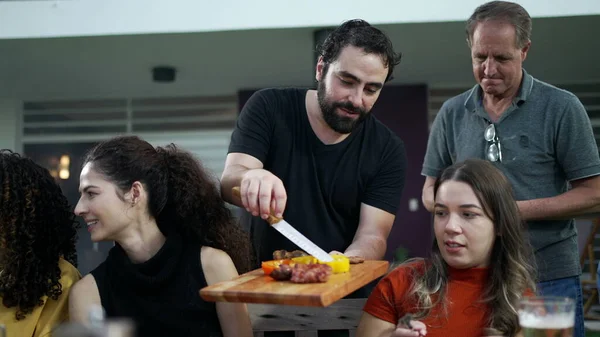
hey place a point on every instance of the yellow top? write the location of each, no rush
(44, 318)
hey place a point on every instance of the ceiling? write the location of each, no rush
(564, 50)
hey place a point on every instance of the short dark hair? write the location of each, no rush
(510, 12)
(361, 34)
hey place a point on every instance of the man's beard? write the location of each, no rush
(339, 124)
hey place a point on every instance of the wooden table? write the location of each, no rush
(256, 287)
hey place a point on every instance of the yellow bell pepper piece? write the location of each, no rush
(340, 263)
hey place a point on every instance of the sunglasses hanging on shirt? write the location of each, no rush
(494, 150)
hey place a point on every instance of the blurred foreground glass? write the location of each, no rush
(2, 330)
(547, 316)
(108, 328)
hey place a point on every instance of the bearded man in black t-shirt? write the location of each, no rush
(318, 158)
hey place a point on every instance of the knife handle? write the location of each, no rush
(272, 219)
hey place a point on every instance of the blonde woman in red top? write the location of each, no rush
(477, 272)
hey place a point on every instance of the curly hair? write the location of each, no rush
(511, 275)
(182, 196)
(361, 34)
(37, 228)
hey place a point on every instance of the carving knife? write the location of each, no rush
(292, 234)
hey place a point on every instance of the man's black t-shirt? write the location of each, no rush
(325, 184)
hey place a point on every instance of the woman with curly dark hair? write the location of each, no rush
(37, 248)
(174, 235)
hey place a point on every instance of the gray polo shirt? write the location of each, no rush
(547, 140)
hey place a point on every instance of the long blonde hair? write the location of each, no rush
(510, 274)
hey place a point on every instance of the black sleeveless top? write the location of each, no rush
(160, 295)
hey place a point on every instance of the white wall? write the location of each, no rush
(210, 146)
(27, 19)
(10, 125)
(221, 63)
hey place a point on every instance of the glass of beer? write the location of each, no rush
(547, 316)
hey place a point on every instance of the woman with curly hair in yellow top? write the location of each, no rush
(37, 248)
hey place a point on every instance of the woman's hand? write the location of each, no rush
(412, 329)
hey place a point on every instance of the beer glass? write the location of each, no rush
(547, 316)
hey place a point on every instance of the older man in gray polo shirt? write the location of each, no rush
(538, 135)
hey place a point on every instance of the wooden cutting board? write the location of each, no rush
(256, 287)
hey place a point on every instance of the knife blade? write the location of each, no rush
(293, 234)
(301, 241)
